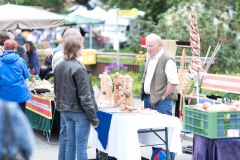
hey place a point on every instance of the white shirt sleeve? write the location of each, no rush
(171, 72)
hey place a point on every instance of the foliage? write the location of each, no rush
(83, 2)
(121, 50)
(114, 66)
(237, 16)
(95, 80)
(136, 80)
(152, 8)
(57, 4)
(213, 23)
(41, 55)
(51, 79)
(109, 60)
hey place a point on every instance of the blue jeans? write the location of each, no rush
(78, 129)
(62, 138)
(164, 107)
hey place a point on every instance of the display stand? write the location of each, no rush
(42, 115)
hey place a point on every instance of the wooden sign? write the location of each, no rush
(221, 83)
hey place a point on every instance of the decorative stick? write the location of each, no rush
(206, 55)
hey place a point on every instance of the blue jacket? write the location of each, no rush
(21, 127)
(13, 72)
(58, 48)
(33, 62)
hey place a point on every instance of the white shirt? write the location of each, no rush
(57, 58)
(170, 71)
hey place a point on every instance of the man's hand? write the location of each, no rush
(94, 126)
(163, 97)
(44, 67)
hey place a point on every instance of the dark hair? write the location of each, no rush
(3, 37)
(71, 45)
(32, 47)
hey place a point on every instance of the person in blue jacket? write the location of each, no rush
(13, 73)
(33, 62)
(20, 127)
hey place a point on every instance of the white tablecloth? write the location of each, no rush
(123, 139)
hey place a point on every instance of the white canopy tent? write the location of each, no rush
(96, 13)
(25, 17)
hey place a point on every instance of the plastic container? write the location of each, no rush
(213, 125)
(88, 57)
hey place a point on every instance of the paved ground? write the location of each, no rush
(46, 151)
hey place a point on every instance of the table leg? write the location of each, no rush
(166, 141)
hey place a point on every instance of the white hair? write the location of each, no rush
(48, 50)
(10, 35)
(156, 37)
(18, 31)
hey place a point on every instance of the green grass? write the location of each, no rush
(122, 50)
(109, 60)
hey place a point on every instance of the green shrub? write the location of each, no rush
(136, 80)
(95, 80)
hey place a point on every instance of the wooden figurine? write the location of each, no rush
(126, 100)
(106, 90)
(117, 83)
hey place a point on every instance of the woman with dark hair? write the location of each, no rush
(3, 37)
(32, 57)
(13, 73)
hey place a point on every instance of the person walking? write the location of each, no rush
(73, 98)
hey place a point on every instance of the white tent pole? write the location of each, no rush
(118, 42)
(90, 37)
(197, 91)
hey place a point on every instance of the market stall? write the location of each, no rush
(40, 109)
(215, 126)
(118, 136)
(42, 114)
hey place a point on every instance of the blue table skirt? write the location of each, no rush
(216, 149)
(103, 127)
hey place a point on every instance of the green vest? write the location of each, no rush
(159, 80)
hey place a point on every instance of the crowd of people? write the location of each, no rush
(74, 97)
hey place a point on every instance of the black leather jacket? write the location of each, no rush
(73, 90)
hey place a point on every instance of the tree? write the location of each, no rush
(57, 4)
(152, 8)
(238, 11)
(214, 25)
(83, 2)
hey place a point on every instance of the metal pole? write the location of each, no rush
(90, 37)
(118, 43)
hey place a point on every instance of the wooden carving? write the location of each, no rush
(106, 90)
(117, 84)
